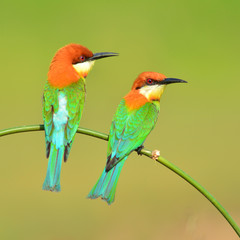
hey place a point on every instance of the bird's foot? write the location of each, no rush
(139, 149)
(155, 154)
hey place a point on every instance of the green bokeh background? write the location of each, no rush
(198, 128)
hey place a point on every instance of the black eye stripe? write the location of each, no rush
(80, 59)
(150, 81)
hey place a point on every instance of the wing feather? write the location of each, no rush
(129, 130)
(75, 94)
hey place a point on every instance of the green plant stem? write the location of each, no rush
(147, 153)
(195, 184)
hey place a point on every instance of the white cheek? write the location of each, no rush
(154, 91)
(83, 68)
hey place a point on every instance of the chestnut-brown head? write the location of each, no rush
(71, 63)
(152, 84)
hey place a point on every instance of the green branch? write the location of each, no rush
(147, 153)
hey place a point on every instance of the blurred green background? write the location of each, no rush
(198, 127)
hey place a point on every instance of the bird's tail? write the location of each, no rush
(106, 184)
(52, 180)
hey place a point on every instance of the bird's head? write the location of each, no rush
(152, 84)
(71, 63)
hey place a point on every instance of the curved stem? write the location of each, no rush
(147, 153)
(196, 185)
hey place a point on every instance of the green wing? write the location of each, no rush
(75, 94)
(50, 104)
(76, 98)
(129, 130)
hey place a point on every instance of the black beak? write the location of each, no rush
(100, 55)
(172, 80)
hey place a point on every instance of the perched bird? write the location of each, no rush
(134, 119)
(63, 100)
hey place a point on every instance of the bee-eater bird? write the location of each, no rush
(63, 100)
(134, 119)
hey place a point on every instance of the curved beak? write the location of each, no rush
(100, 55)
(172, 80)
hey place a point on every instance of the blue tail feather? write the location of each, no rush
(107, 183)
(52, 180)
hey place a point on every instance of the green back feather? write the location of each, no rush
(75, 94)
(130, 128)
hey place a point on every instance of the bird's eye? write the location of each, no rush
(149, 81)
(82, 58)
